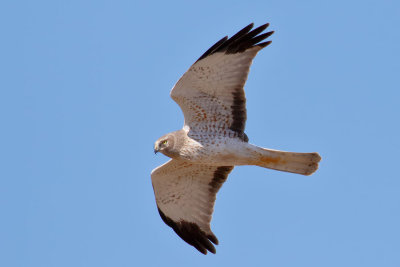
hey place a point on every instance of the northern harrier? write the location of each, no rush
(212, 140)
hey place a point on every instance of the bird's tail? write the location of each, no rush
(301, 163)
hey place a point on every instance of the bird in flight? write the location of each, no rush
(212, 140)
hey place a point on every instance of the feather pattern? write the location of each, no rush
(212, 141)
(185, 196)
(211, 93)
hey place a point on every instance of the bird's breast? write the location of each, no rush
(219, 153)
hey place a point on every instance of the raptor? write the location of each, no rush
(212, 140)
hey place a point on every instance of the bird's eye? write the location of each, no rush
(164, 142)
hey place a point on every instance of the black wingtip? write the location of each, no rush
(212, 49)
(213, 239)
(241, 41)
(265, 44)
(191, 234)
(247, 28)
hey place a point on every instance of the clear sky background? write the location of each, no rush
(84, 93)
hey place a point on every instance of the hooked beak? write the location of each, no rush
(155, 150)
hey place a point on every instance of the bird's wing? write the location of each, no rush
(185, 195)
(211, 93)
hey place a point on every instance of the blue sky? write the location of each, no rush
(84, 93)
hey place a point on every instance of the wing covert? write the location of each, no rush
(185, 196)
(211, 93)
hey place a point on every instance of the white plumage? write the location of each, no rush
(213, 140)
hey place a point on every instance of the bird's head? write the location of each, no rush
(165, 145)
